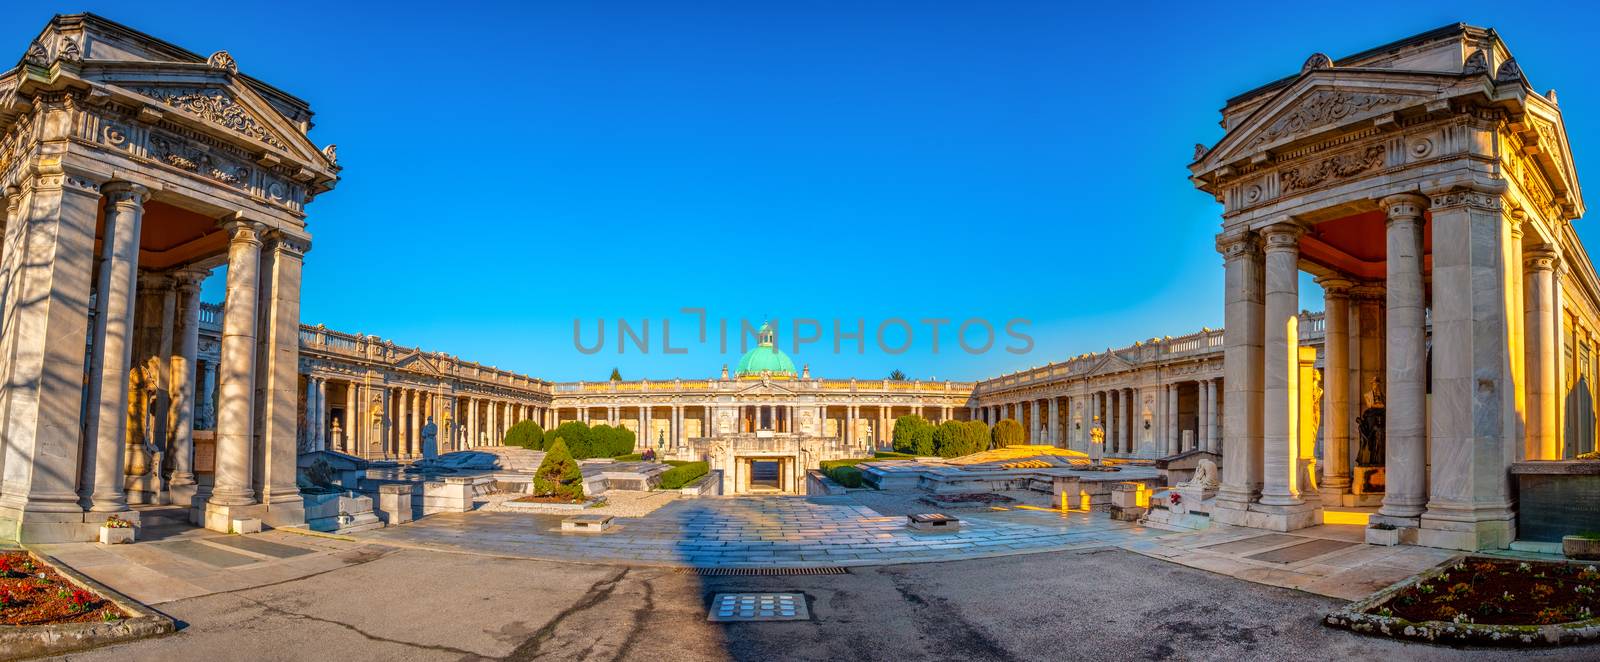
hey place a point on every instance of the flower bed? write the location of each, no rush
(50, 609)
(32, 593)
(1482, 600)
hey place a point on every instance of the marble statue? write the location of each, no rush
(430, 440)
(1370, 426)
(1205, 476)
(1097, 441)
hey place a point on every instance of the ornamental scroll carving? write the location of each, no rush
(1324, 108)
(1338, 166)
(217, 108)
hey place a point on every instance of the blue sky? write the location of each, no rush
(511, 167)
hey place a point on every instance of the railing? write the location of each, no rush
(372, 348)
(210, 314)
(718, 385)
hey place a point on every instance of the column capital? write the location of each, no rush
(124, 193)
(1404, 206)
(1371, 291)
(1335, 286)
(188, 280)
(1540, 259)
(1465, 197)
(1238, 245)
(1282, 236)
(243, 230)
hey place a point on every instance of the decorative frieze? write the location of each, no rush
(1331, 169)
(214, 106)
(1323, 108)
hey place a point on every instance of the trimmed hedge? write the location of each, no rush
(634, 457)
(848, 475)
(682, 473)
(590, 442)
(525, 434)
(914, 435)
(1008, 432)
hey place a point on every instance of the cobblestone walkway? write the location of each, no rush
(773, 531)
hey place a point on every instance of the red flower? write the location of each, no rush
(1175, 498)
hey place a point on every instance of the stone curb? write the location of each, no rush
(1356, 619)
(25, 641)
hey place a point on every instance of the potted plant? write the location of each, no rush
(1383, 533)
(116, 531)
(1584, 546)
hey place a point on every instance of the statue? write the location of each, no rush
(1205, 476)
(1097, 442)
(430, 440)
(1370, 425)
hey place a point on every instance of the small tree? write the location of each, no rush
(525, 434)
(948, 440)
(1008, 433)
(616, 375)
(558, 474)
(897, 375)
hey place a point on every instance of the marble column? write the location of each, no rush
(237, 368)
(1281, 365)
(1335, 390)
(1473, 441)
(279, 348)
(119, 272)
(402, 424)
(472, 422)
(1203, 402)
(183, 375)
(1405, 419)
(1242, 366)
(350, 418)
(1053, 434)
(1113, 421)
(1542, 328)
(1174, 437)
(1213, 438)
(1033, 422)
(322, 414)
(311, 413)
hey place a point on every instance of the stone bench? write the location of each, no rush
(932, 522)
(586, 523)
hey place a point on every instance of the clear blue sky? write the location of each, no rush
(512, 166)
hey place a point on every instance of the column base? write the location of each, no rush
(1334, 490)
(1477, 530)
(1267, 516)
(221, 517)
(34, 527)
(182, 494)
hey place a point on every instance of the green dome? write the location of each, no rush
(765, 357)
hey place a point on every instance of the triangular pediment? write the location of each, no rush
(234, 108)
(417, 362)
(1109, 363)
(765, 388)
(1319, 104)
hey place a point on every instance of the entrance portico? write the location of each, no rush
(1426, 175)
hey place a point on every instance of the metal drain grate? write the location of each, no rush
(730, 607)
(766, 572)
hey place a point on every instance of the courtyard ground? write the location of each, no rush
(1102, 603)
(1014, 583)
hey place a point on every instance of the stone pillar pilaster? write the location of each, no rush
(350, 416)
(280, 353)
(1405, 415)
(321, 421)
(1281, 367)
(1335, 390)
(1213, 437)
(1242, 365)
(119, 272)
(1542, 327)
(1473, 440)
(184, 374)
(237, 369)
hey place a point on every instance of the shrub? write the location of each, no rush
(525, 434)
(682, 474)
(913, 435)
(632, 457)
(1008, 433)
(977, 435)
(575, 433)
(558, 474)
(891, 455)
(848, 475)
(955, 439)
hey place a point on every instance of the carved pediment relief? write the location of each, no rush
(1324, 108)
(416, 362)
(219, 107)
(1303, 111)
(1109, 363)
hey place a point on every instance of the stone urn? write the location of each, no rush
(1583, 548)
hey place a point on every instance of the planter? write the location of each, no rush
(1578, 547)
(116, 536)
(1385, 537)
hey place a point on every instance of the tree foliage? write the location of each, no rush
(558, 474)
(897, 375)
(616, 375)
(525, 434)
(1008, 433)
(958, 438)
(586, 442)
